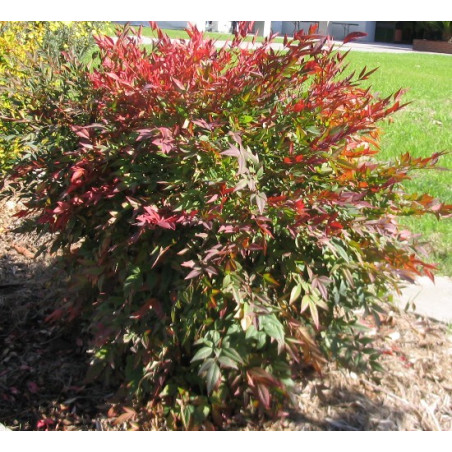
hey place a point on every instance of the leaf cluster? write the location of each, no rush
(34, 75)
(224, 215)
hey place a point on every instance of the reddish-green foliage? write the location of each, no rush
(225, 216)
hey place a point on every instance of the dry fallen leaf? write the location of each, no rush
(126, 416)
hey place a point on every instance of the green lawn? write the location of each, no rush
(422, 128)
(182, 34)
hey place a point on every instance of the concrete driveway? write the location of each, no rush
(429, 299)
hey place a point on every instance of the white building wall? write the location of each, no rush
(323, 27)
(289, 27)
(258, 28)
(173, 24)
(182, 25)
(338, 30)
(369, 28)
(200, 24)
(267, 31)
(276, 27)
(222, 26)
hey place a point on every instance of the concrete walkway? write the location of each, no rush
(377, 47)
(432, 300)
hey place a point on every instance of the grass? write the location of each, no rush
(182, 34)
(421, 128)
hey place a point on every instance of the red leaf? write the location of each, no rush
(276, 199)
(313, 29)
(354, 35)
(45, 423)
(81, 132)
(263, 395)
(40, 424)
(78, 173)
(336, 225)
(261, 376)
(112, 75)
(244, 27)
(299, 106)
(299, 205)
(179, 84)
(22, 213)
(194, 273)
(212, 199)
(144, 134)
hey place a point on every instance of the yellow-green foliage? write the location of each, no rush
(26, 50)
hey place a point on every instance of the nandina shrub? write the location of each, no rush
(226, 217)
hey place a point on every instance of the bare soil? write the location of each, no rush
(43, 365)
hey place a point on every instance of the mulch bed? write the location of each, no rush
(43, 365)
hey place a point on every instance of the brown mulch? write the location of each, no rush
(43, 366)
(414, 393)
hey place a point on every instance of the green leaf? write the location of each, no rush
(314, 130)
(201, 354)
(377, 366)
(261, 202)
(261, 340)
(226, 281)
(241, 184)
(201, 413)
(251, 332)
(342, 252)
(206, 366)
(212, 377)
(314, 314)
(214, 336)
(169, 390)
(295, 293)
(269, 278)
(305, 302)
(187, 414)
(225, 361)
(134, 280)
(272, 327)
(308, 302)
(232, 354)
(246, 119)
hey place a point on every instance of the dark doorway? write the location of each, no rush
(403, 32)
